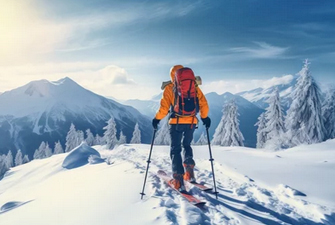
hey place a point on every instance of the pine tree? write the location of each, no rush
(202, 139)
(261, 131)
(3, 165)
(99, 140)
(71, 138)
(163, 134)
(122, 139)
(110, 134)
(47, 151)
(36, 154)
(58, 148)
(40, 152)
(274, 123)
(136, 139)
(9, 159)
(228, 132)
(80, 137)
(89, 138)
(328, 114)
(25, 159)
(18, 158)
(304, 114)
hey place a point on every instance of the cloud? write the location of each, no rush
(236, 86)
(117, 75)
(262, 50)
(27, 37)
(110, 80)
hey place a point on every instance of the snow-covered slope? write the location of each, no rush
(259, 96)
(43, 110)
(255, 187)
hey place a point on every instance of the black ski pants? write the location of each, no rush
(179, 133)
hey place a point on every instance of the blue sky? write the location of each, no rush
(125, 48)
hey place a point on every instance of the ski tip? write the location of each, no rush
(200, 204)
(162, 172)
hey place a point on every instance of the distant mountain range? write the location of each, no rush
(43, 111)
(259, 96)
(248, 113)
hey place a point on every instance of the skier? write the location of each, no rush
(181, 127)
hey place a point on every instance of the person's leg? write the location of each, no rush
(188, 153)
(175, 149)
(188, 137)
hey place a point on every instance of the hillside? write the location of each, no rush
(256, 187)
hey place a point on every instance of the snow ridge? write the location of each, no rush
(107, 193)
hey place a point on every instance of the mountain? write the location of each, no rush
(146, 107)
(259, 96)
(248, 113)
(255, 187)
(43, 111)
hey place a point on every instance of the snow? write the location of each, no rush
(80, 156)
(294, 186)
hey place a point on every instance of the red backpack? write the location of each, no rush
(186, 103)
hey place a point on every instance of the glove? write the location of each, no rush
(206, 121)
(155, 123)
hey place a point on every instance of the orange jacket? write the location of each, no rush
(168, 99)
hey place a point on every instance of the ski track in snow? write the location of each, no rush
(241, 199)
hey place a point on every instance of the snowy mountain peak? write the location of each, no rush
(40, 88)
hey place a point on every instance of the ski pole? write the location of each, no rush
(146, 173)
(211, 159)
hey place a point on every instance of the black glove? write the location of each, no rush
(155, 123)
(206, 121)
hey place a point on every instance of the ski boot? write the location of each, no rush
(189, 174)
(178, 182)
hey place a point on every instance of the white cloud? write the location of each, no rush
(108, 80)
(262, 50)
(236, 86)
(26, 37)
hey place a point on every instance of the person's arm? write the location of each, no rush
(165, 104)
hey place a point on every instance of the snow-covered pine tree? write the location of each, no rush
(71, 139)
(80, 137)
(25, 159)
(228, 132)
(36, 154)
(99, 140)
(163, 134)
(328, 114)
(58, 148)
(202, 139)
(3, 165)
(9, 159)
(304, 114)
(18, 158)
(47, 151)
(136, 139)
(218, 134)
(122, 139)
(274, 123)
(40, 152)
(261, 131)
(110, 134)
(89, 138)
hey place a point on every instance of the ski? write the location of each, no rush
(193, 200)
(200, 186)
